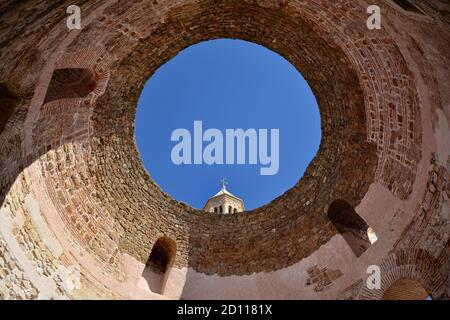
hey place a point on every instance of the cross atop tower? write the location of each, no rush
(223, 182)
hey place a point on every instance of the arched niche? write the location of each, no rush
(159, 263)
(355, 231)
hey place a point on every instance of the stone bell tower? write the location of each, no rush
(224, 201)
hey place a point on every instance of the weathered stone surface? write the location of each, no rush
(67, 143)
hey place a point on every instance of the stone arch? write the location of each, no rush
(350, 225)
(159, 263)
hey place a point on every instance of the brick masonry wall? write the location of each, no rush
(83, 166)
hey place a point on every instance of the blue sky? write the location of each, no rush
(227, 84)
